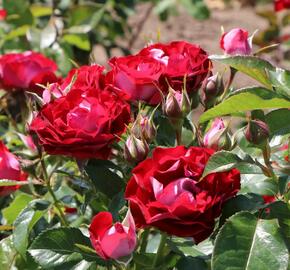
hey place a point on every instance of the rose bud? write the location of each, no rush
(282, 4)
(236, 42)
(3, 14)
(217, 137)
(167, 191)
(9, 169)
(113, 241)
(214, 86)
(177, 104)
(144, 127)
(135, 149)
(24, 71)
(257, 132)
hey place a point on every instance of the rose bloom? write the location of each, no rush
(3, 14)
(181, 59)
(137, 76)
(236, 42)
(281, 4)
(82, 125)
(113, 241)
(84, 79)
(9, 169)
(23, 71)
(166, 191)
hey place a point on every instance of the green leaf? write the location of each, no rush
(9, 183)
(259, 184)
(7, 254)
(190, 263)
(280, 80)
(19, 203)
(39, 11)
(57, 249)
(104, 176)
(224, 161)
(81, 41)
(278, 122)
(250, 65)
(246, 99)
(246, 242)
(25, 222)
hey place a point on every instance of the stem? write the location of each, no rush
(178, 136)
(139, 27)
(159, 254)
(62, 217)
(232, 76)
(144, 240)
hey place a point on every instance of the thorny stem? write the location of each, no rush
(62, 217)
(144, 241)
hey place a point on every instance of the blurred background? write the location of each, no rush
(77, 32)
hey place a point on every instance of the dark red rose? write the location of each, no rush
(23, 71)
(181, 59)
(166, 191)
(282, 4)
(9, 169)
(137, 76)
(81, 125)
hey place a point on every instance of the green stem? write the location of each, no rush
(232, 76)
(160, 249)
(144, 241)
(266, 155)
(62, 217)
(178, 136)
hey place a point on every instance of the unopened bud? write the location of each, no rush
(144, 128)
(257, 132)
(218, 137)
(214, 86)
(135, 150)
(177, 104)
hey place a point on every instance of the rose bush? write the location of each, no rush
(167, 192)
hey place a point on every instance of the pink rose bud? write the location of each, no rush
(113, 241)
(144, 127)
(257, 132)
(9, 169)
(28, 141)
(217, 136)
(51, 92)
(136, 149)
(177, 104)
(214, 86)
(236, 42)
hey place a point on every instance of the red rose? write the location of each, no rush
(166, 192)
(236, 42)
(9, 169)
(3, 14)
(181, 59)
(87, 77)
(282, 4)
(137, 76)
(25, 70)
(83, 126)
(84, 79)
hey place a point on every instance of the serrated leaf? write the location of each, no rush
(252, 66)
(246, 242)
(104, 176)
(224, 161)
(246, 99)
(25, 222)
(278, 122)
(57, 249)
(7, 254)
(12, 211)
